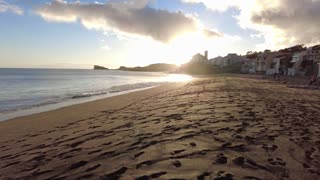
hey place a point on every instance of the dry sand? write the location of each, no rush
(213, 128)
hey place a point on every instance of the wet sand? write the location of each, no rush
(212, 128)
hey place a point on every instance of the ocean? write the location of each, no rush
(28, 91)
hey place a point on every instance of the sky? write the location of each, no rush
(113, 33)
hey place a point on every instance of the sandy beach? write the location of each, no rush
(212, 128)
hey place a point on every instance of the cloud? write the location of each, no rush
(220, 5)
(106, 48)
(132, 17)
(297, 21)
(210, 33)
(281, 22)
(4, 7)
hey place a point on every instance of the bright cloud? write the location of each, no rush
(106, 48)
(4, 7)
(296, 21)
(131, 17)
(221, 5)
(211, 33)
(281, 22)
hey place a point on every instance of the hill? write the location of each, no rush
(159, 67)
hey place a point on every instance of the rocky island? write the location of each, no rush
(96, 67)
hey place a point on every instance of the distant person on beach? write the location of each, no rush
(278, 74)
(313, 80)
(275, 74)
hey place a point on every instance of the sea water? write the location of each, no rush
(28, 91)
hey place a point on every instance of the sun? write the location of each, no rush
(184, 46)
(178, 51)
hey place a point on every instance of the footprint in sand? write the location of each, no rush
(221, 175)
(145, 163)
(221, 159)
(239, 161)
(177, 163)
(93, 167)
(193, 144)
(203, 176)
(268, 147)
(306, 166)
(276, 161)
(251, 178)
(138, 154)
(116, 174)
(177, 151)
(309, 153)
(154, 175)
(77, 165)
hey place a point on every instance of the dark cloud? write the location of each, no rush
(298, 19)
(133, 18)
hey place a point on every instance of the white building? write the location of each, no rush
(275, 65)
(313, 54)
(261, 61)
(313, 58)
(297, 60)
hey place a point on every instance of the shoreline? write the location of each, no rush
(30, 91)
(85, 109)
(70, 102)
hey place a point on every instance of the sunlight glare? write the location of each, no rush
(178, 78)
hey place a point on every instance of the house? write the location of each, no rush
(280, 61)
(199, 64)
(276, 64)
(261, 61)
(305, 62)
(233, 59)
(217, 61)
(248, 67)
(271, 61)
(199, 58)
(311, 61)
(313, 53)
(295, 64)
(291, 59)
